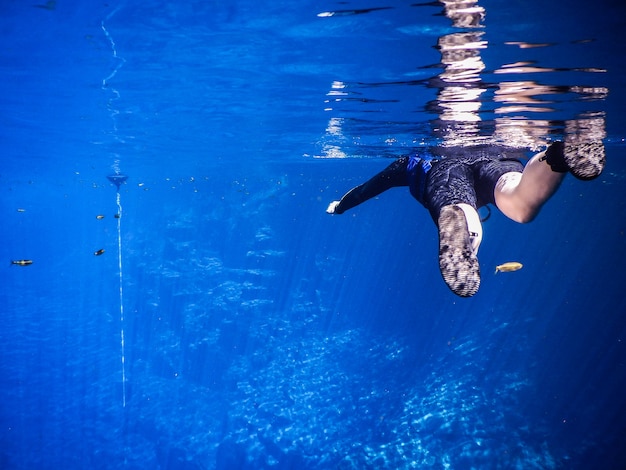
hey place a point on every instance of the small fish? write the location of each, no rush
(99, 252)
(99, 217)
(508, 267)
(22, 262)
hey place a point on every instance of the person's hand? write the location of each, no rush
(331, 207)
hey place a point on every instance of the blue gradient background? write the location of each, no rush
(259, 331)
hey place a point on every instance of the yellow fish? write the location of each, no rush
(508, 267)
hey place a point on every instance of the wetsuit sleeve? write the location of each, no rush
(392, 176)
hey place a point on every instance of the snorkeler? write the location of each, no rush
(453, 183)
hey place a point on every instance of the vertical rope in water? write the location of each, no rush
(120, 61)
(119, 263)
(117, 179)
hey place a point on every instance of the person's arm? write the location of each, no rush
(392, 176)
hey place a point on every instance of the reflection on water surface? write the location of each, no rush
(521, 103)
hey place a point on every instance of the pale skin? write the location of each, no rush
(520, 196)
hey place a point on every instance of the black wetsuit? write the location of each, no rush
(466, 175)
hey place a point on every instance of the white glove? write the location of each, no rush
(331, 207)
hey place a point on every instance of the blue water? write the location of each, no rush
(230, 323)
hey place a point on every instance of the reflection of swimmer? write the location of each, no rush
(454, 186)
(22, 262)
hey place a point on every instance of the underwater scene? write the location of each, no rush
(175, 296)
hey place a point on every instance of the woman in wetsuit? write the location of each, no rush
(455, 186)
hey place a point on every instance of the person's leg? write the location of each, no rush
(451, 200)
(519, 196)
(458, 263)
